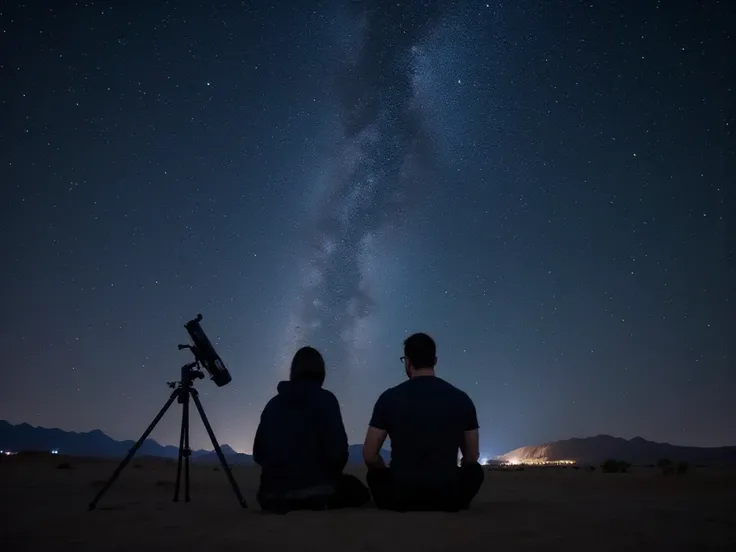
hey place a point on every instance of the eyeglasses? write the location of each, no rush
(403, 360)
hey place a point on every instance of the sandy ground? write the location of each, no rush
(44, 508)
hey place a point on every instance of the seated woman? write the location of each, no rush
(301, 445)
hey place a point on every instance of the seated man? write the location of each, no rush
(427, 420)
(301, 444)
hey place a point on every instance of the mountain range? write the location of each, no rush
(590, 450)
(637, 451)
(25, 437)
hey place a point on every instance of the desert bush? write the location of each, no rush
(682, 467)
(64, 466)
(615, 466)
(666, 466)
(609, 466)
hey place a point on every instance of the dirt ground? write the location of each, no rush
(44, 507)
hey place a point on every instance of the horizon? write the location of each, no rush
(387, 446)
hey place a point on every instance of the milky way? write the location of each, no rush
(384, 156)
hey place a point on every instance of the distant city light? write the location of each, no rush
(54, 451)
(537, 462)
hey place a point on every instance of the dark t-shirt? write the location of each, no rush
(425, 418)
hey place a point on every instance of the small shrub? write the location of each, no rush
(666, 466)
(615, 466)
(609, 466)
(682, 468)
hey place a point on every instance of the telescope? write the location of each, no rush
(205, 357)
(205, 353)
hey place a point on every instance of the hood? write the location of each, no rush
(298, 391)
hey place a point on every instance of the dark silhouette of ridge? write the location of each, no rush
(95, 443)
(25, 437)
(637, 451)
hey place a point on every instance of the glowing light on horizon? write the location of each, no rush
(537, 462)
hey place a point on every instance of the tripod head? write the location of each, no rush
(189, 373)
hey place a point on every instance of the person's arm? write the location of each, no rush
(376, 435)
(374, 439)
(333, 436)
(471, 441)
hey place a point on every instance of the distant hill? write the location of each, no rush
(25, 437)
(598, 449)
(233, 457)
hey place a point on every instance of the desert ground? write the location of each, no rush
(44, 507)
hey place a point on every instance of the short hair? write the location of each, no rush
(308, 365)
(421, 350)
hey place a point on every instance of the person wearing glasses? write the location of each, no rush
(302, 447)
(428, 421)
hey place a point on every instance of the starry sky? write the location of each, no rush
(546, 188)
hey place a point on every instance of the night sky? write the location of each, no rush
(546, 188)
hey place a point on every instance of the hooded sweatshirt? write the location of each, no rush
(301, 442)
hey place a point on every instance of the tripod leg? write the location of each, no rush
(218, 450)
(133, 450)
(187, 450)
(178, 463)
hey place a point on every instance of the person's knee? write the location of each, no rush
(380, 476)
(272, 507)
(355, 489)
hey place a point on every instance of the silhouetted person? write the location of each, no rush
(428, 420)
(301, 444)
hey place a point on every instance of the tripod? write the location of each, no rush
(183, 390)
